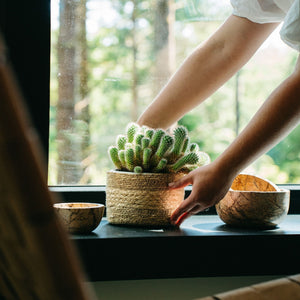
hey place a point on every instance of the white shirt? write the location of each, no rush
(268, 11)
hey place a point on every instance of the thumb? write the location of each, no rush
(180, 183)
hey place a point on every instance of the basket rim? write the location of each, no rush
(140, 174)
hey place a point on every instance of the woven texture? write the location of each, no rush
(141, 199)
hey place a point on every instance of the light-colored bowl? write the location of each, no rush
(80, 217)
(253, 202)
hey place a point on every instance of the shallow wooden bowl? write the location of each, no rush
(253, 202)
(80, 217)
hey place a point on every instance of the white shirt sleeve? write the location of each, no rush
(290, 31)
(261, 11)
(268, 11)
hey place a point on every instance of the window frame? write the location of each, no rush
(27, 33)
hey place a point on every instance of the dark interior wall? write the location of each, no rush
(25, 26)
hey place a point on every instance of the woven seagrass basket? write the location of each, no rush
(141, 199)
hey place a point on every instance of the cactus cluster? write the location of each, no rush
(143, 149)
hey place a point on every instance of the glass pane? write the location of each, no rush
(109, 58)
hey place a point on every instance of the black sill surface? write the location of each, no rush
(203, 246)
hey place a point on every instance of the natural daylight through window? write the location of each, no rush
(109, 58)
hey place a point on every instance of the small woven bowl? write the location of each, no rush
(253, 202)
(80, 217)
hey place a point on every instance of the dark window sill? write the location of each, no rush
(202, 247)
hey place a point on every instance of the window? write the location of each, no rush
(27, 34)
(110, 58)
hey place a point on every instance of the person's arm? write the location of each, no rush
(206, 69)
(277, 117)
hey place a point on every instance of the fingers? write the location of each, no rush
(186, 215)
(185, 210)
(180, 210)
(181, 218)
(180, 183)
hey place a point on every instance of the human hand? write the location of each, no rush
(209, 187)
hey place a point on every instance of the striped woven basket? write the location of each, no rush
(141, 199)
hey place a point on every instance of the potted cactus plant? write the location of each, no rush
(146, 160)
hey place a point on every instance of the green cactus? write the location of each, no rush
(146, 158)
(138, 138)
(122, 158)
(185, 145)
(154, 143)
(113, 152)
(180, 134)
(194, 147)
(165, 144)
(121, 141)
(152, 150)
(129, 159)
(160, 166)
(145, 142)
(131, 130)
(138, 169)
(149, 133)
(138, 155)
(188, 159)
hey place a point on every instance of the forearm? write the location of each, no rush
(205, 70)
(275, 119)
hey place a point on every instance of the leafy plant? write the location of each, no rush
(143, 149)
